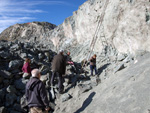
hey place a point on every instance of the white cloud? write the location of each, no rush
(16, 11)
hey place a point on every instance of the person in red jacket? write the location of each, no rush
(26, 68)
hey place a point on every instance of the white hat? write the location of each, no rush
(61, 50)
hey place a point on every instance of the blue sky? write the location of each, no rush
(23, 11)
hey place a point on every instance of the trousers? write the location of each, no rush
(37, 110)
(60, 80)
(93, 67)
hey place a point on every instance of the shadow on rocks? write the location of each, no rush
(86, 103)
(100, 70)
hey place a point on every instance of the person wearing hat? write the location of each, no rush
(58, 69)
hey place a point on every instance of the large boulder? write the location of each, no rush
(6, 74)
(11, 89)
(15, 64)
(3, 110)
(1, 79)
(10, 99)
(2, 95)
(5, 54)
(20, 84)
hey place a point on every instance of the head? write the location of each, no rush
(68, 53)
(36, 73)
(27, 60)
(94, 56)
(61, 51)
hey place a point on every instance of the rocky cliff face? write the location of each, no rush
(125, 26)
(29, 32)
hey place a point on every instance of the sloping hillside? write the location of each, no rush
(126, 91)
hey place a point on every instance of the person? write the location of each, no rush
(71, 63)
(58, 69)
(68, 59)
(26, 68)
(93, 64)
(36, 94)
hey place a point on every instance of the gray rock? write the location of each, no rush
(95, 81)
(48, 56)
(2, 48)
(20, 84)
(15, 64)
(11, 89)
(119, 67)
(6, 82)
(14, 47)
(65, 97)
(5, 54)
(23, 102)
(17, 107)
(121, 57)
(44, 78)
(44, 69)
(2, 95)
(3, 110)
(23, 55)
(10, 99)
(6, 74)
(1, 79)
(13, 111)
(84, 87)
(40, 56)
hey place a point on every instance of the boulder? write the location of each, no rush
(65, 97)
(13, 111)
(14, 47)
(41, 56)
(20, 84)
(119, 67)
(5, 54)
(121, 57)
(3, 110)
(2, 95)
(45, 69)
(95, 81)
(17, 107)
(84, 87)
(11, 89)
(2, 48)
(10, 99)
(6, 74)
(23, 55)
(23, 102)
(6, 82)
(15, 64)
(44, 78)
(1, 79)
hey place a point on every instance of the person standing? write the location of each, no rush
(93, 64)
(26, 68)
(58, 69)
(36, 94)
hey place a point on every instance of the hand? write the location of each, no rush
(47, 108)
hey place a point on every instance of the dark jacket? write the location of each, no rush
(93, 61)
(59, 64)
(36, 93)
